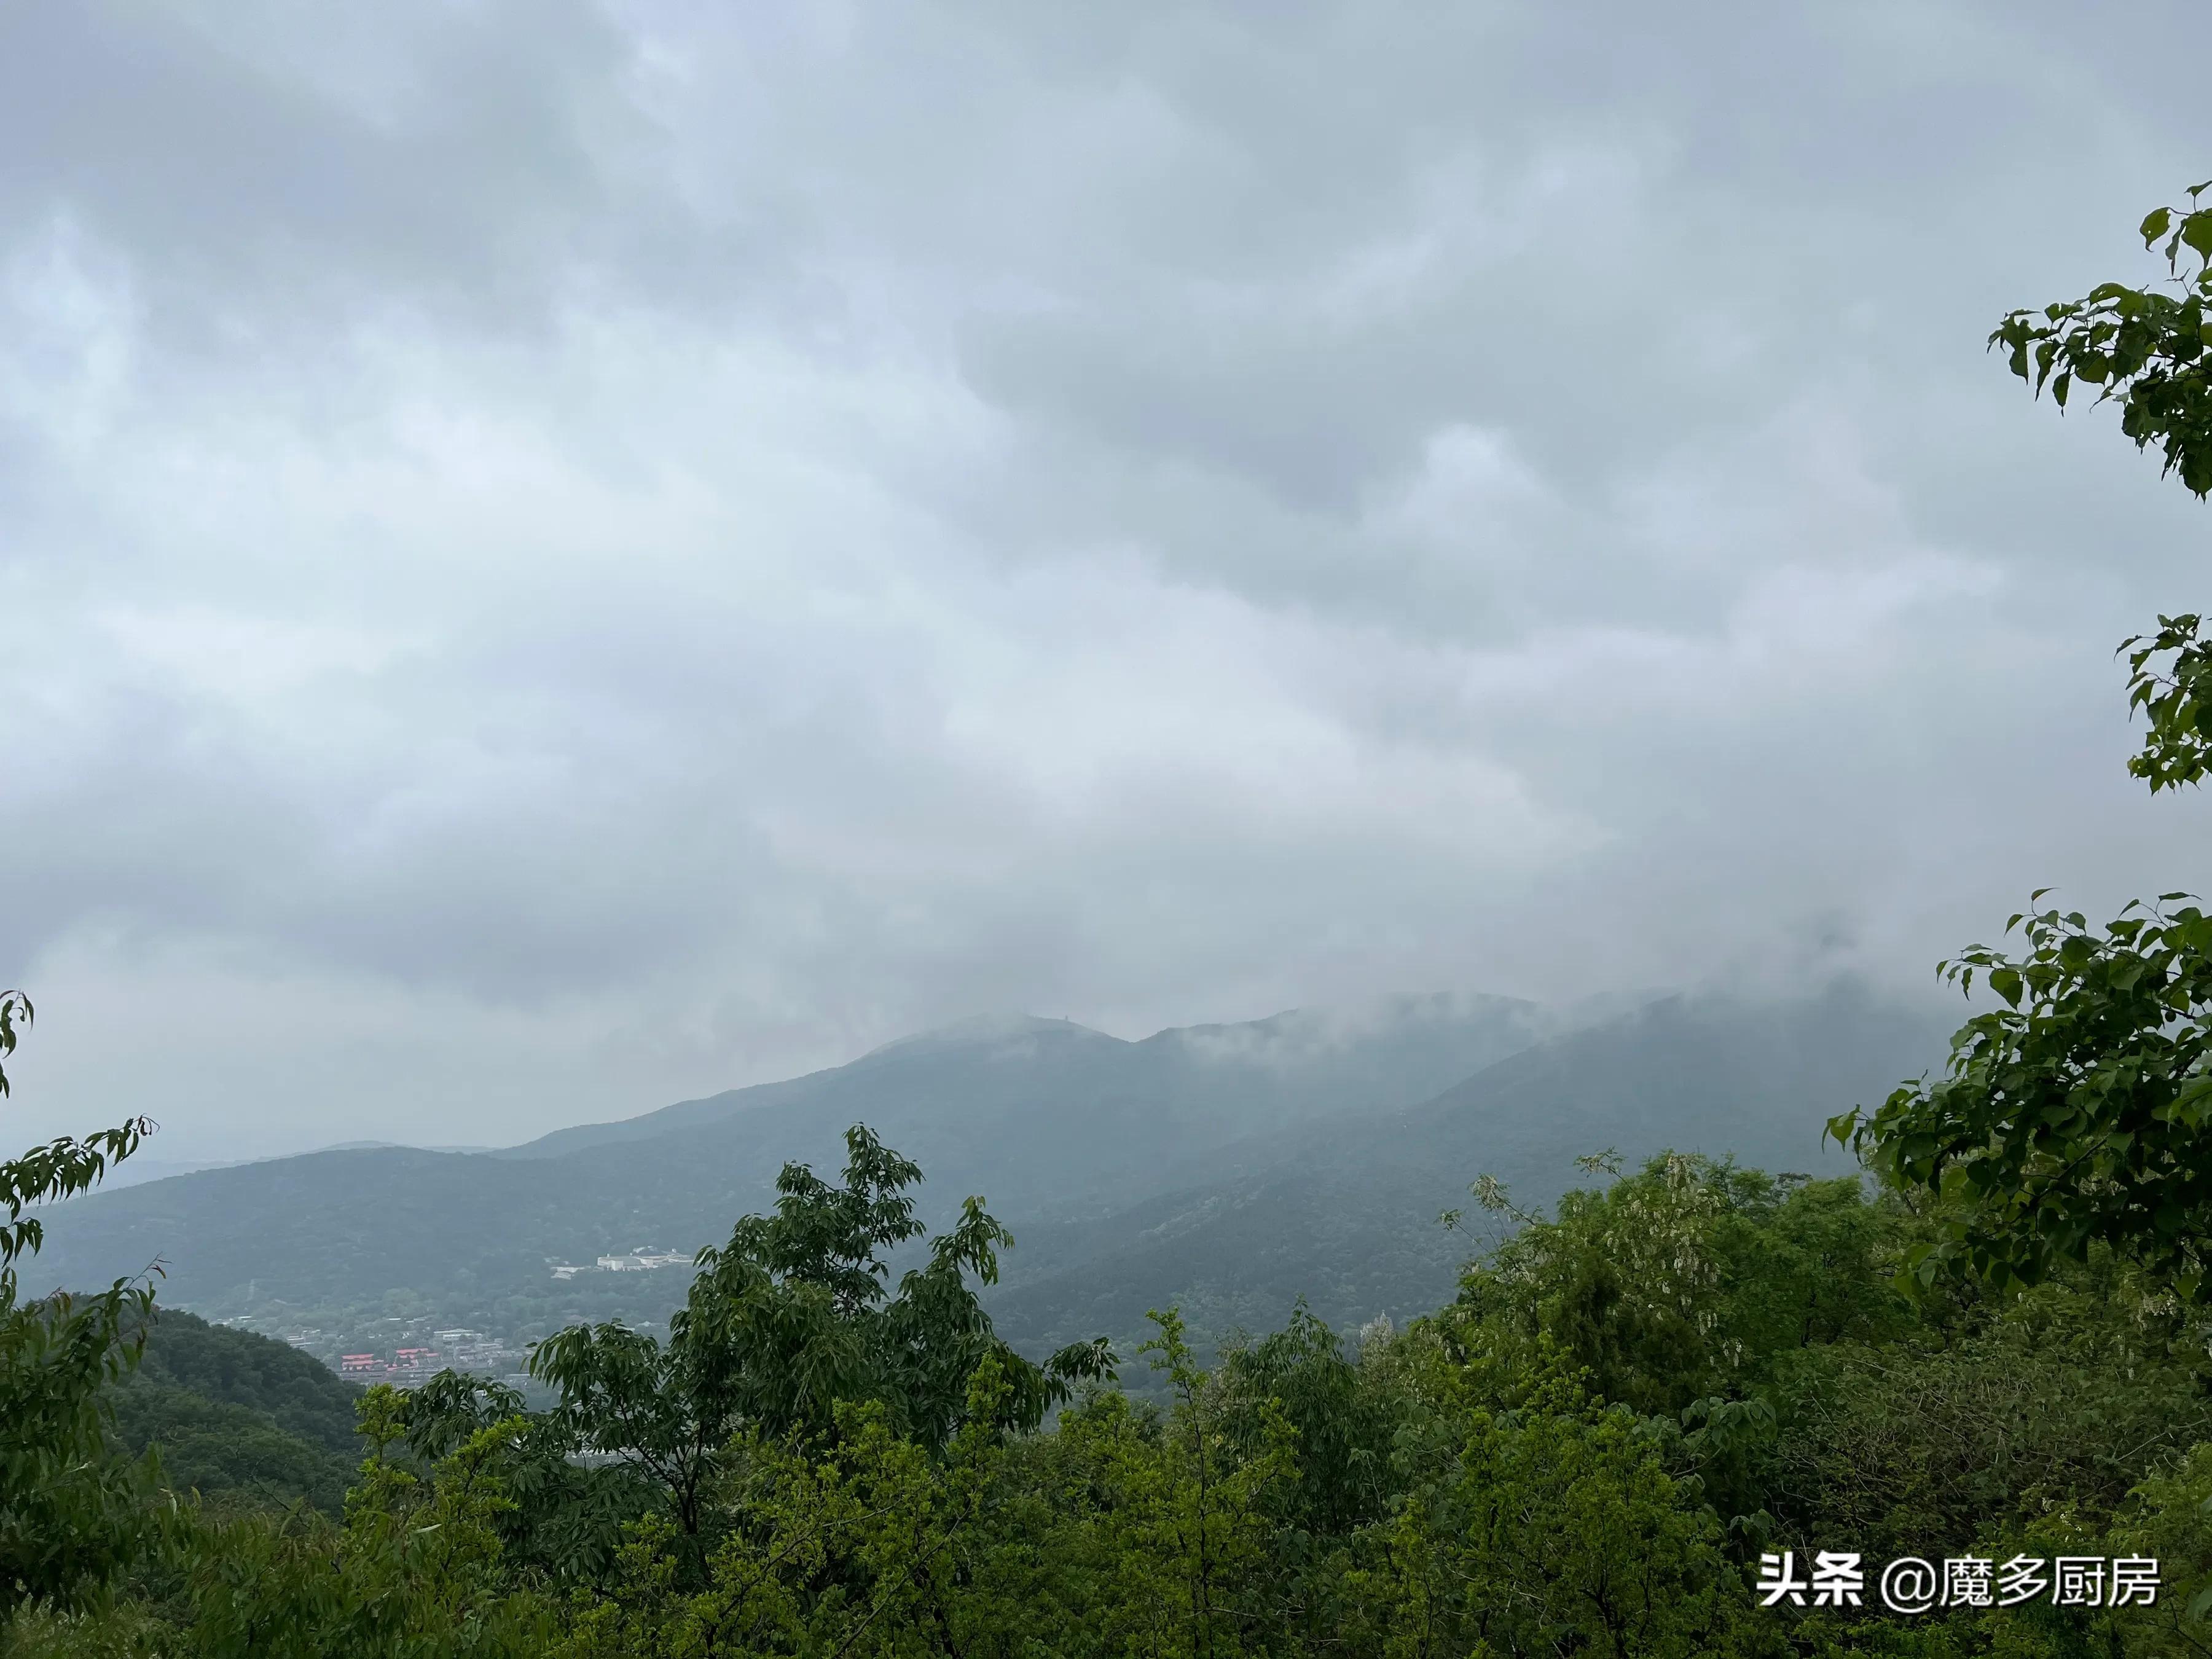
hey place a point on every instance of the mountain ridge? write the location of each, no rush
(1229, 1168)
(1001, 1032)
(1059, 1119)
(1342, 1210)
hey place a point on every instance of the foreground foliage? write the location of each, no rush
(67, 1514)
(1586, 1452)
(2076, 1117)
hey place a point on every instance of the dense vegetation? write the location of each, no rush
(237, 1418)
(1587, 1450)
(1999, 1348)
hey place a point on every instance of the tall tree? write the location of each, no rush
(2080, 1111)
(68, 1515)
(2148, 350)
(795, 1314)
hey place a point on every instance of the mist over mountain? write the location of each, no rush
(1042, 1114)
(1231, 1169)
(1343, 1211)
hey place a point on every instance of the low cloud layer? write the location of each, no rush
(560, 557)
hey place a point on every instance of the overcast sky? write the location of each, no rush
(556, 557)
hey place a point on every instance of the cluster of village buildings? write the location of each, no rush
(643, 1259)
(458, 1350)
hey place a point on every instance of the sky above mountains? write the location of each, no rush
(560, 557)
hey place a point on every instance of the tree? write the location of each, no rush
(1678, 1283)
(1555, 1529)
(68, 1516)
(1343, 1424)
(2150, 352)
(792, 1316)
(2080, 1113)
(863, 1544)
(2146, 350)
(416, 1570)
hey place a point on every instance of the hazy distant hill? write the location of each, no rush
(1041, 1113)
(1229, 1168)
(1344, 1211)
(144, 1167)
(1042, 1116)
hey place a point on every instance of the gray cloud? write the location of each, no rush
(561, 557)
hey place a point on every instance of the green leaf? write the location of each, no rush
(2154, 223)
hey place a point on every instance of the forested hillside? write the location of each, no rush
(1061, 1110)
(1046, 1116)
(236, 1417)
(1343, 1213)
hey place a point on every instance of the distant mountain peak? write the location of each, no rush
(990, 1031)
